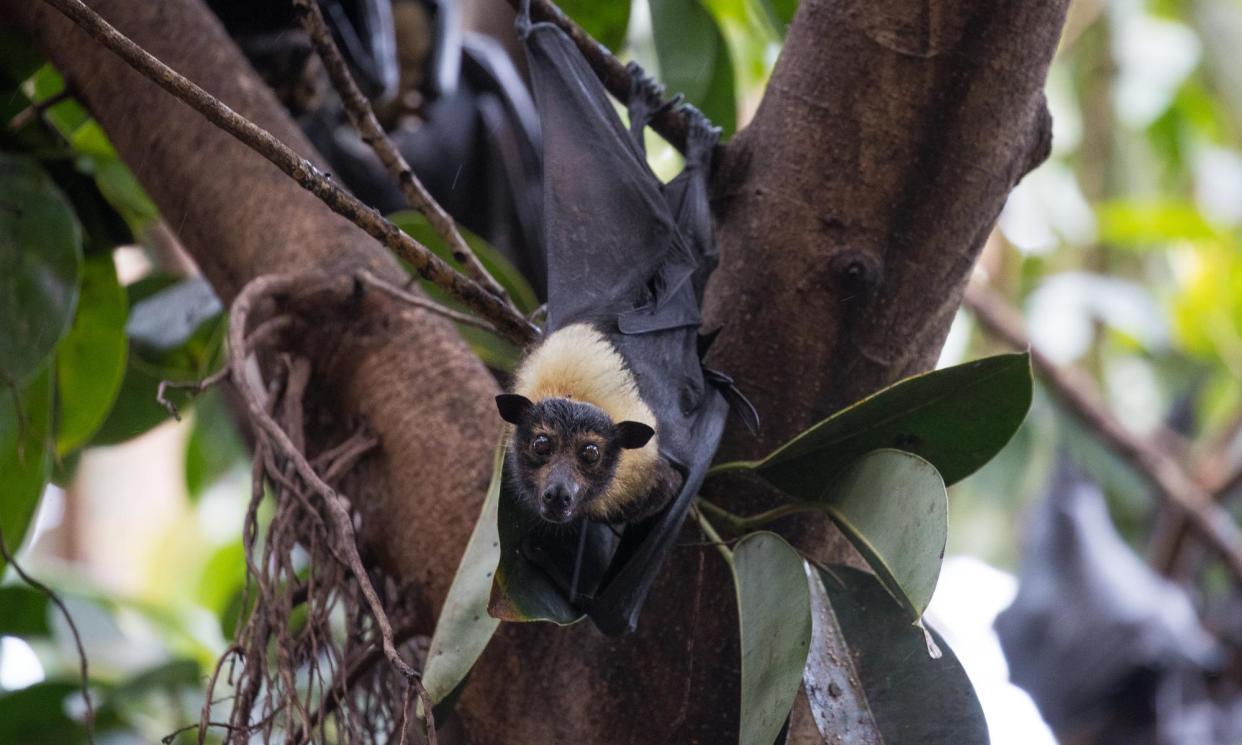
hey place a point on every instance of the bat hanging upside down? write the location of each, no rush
(584, 443)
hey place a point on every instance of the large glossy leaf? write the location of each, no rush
(869, 677)
(492, 260)
(694, 59)
(605, 20)
(90, 361)
(894, 508)
(25, 455)
(25, 612)
(176, 331)
(520, 590)
(40, 262)
(464, 627)
(956, 418)
(774, 612)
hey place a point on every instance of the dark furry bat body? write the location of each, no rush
(615, 418)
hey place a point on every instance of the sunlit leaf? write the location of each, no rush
(465, 627)
(694, 59)
(872, 674)
(956, 418)
(1150, 224)
(90, 361)
(40, 262)
(774, 612)
(25, 455)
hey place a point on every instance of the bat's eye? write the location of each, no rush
(590, 453)
(541, 445)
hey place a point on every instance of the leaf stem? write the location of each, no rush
(744, 523)
(736, 465)
(712, 535)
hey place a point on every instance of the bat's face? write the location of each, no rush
(564, 453)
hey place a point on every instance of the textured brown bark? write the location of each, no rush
(402, 370)
(849, 213)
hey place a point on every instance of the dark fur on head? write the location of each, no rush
(564, 453)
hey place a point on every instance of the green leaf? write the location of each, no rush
(894, 508)
(167, 677)
(605, 20)
(223, 577)
(774, 612)
(492, 260)
(520, 590)
(90, 361)
(40, 263)
(176, 332)
(36, 715)
(694, 59)
(1153, 225)
(781, 13)
(25, 455)
(956, 418)
(214, 445)
(464, 627)
(25, 612)
(870, 672)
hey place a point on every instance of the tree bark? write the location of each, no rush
(849, 214)
(403, 371)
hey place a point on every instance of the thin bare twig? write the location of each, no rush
(1079, 395)
(73, 628)
(508, 322)
(424, 303)
(363, 118)
(194, 386)
(37, 110)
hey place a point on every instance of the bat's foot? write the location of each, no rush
(701, 134)
(646, 100)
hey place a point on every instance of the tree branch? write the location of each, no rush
(510, 323)
(670, 122)
(363, 118)
(1079, 396)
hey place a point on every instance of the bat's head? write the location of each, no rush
(564, 452)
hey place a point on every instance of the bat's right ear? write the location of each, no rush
(512, 407)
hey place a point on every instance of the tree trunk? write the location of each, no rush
(849, 214)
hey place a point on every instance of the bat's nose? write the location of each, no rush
(557, 497)
(557, 501)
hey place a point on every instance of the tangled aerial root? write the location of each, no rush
(314, 620)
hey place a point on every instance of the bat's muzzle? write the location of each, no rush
(557, 502)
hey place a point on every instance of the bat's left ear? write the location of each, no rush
(512, 407)
(633, 435)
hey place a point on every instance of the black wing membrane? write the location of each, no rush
(631, 256)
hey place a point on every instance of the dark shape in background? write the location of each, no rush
(454, 105)
(1111, 651)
